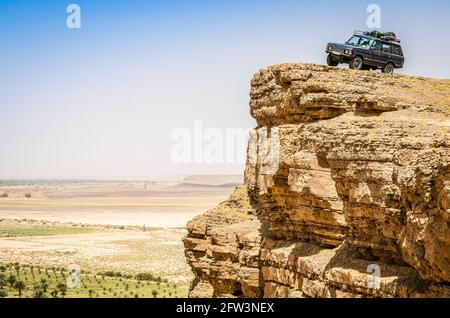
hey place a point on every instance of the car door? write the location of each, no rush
(377, 57)
(386, 53)
(364, 49)
(397, 55)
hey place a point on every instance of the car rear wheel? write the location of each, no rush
(388, 68)
(356, 63)
(331, 61)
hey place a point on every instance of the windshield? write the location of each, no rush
(360, 41)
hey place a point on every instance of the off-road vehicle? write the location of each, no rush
(368, 50)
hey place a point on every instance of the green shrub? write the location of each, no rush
(20, 286)
(145, 276)
(44, 285)
(110, 274)
(11, 280)
(62, 288)
(38, 292)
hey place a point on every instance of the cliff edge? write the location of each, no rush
(346, 192)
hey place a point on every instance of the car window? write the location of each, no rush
(354, 40)
(386, 48)
(396, 50)
(377, 46)
(365, 43)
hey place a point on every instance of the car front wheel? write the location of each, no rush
(356, 63)
(331, 61)
(388, 68)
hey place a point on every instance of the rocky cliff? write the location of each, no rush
(346, 192)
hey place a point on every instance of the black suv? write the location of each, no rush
(368, 50)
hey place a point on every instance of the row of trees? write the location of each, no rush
(13, 282)
(39, 290)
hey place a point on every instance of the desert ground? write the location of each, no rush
(124, 226)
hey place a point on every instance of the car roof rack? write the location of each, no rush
(386, 36)
(356, 32)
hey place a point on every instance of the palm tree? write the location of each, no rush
(11, 280)
(2, 280)
(17, 268)
(62, 288)
(20, 285)
(39, 292)
(44, 285)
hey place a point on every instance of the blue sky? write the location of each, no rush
(102, 101)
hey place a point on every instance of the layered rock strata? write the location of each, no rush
(346, 192)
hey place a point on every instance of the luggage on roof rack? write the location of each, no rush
(386, 36)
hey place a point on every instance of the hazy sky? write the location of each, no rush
(102, 101)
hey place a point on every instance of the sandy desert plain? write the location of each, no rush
(115, 228)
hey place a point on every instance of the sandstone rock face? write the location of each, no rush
(346, 193)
